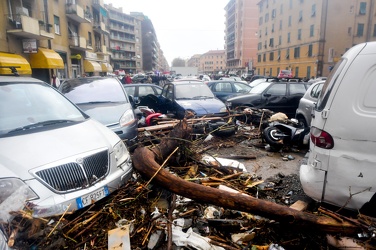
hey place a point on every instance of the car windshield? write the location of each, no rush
(27, 105)
(193, 91)
(93, 90)
(260, 87)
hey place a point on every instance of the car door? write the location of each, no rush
(222, 89)
(167, 104)
(274, 97)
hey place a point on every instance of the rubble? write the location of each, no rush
(182, 197)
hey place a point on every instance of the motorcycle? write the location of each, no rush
(279, 134)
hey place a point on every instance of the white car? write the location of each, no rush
(233, 78)
(53, 156)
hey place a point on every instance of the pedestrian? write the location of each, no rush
(55, 82)
(128, 79)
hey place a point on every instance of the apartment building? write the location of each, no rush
(212, 62)
(309, 37)
(240, 40)
(125, 40)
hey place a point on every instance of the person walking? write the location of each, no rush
(128, 79)
(55, 82)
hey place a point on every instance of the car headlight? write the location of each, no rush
(121, 153)
(224, 109)
(9, 186)
(127, 118)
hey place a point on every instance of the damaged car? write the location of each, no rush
(53, 155)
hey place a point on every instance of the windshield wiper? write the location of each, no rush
(96, 102)
(202, 97)
(40, 124)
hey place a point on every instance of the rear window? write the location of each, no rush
(329, 84)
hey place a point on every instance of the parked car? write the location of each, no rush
(223, 88)
(277, 96)
(139, 78)
(341, 163)
(254, 77)
(138, 92)
(105, 100)
(53, 155)
(180, 97)
(285, 74)
(307, 103)
(233, 78)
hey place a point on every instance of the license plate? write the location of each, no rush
(92, 197)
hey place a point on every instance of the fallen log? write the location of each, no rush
(146, 160)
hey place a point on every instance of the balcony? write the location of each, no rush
(28, 27)
(97, 4)
(78, 43)
(101, 49)
(100, 27)
(77, 13)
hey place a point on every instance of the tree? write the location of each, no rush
(178, 62)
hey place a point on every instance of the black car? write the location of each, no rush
(223, 88)
(277, 96)
(139, 91)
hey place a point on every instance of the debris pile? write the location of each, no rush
(179, 197)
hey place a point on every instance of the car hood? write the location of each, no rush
(21, 153)
(106, 113)
(203, 106)
(249, 96)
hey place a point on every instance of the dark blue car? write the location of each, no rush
(193, 97)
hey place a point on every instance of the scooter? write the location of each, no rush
(290, 134)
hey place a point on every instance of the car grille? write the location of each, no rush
(72, 176)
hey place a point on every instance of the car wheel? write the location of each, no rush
(223, 129)
(302, 122)
(275, 142)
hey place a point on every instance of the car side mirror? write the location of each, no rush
(267, 95)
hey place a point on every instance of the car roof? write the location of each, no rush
(18, 79)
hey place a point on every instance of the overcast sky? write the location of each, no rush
(183, 27)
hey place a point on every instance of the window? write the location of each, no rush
(297, 88)
(362, 8)
(290, 21)
(290, 4)
(260, 21)
(266, 31)
(264, 58)
(89, 41)
(288, 54)
(297, 52)
(308, 72)
(258, 58)
(288, 37)
(312, 30)
(274, 13)
(273, 28)
(279, 40)
(297, 75)
(281, 9)
(259, 46)
(266, 17)
(349, 31)
(279, 57)
(310, 49)
(277, 89)
(280, 24)
(300, 16)
(299, 34)
(360, 29)
(271, 56)
(271, 42)
(374, 30)
(57, 25)
(313, 10)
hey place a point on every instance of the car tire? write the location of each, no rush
(274, 142)
(302, 122)
(223, 129)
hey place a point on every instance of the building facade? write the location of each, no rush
(309, 37)
(212, 62)
(240, 40)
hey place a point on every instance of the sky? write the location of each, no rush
(183, 27)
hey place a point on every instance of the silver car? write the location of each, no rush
(307, 103)
(58, 157)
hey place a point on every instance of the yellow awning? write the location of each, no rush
(92, 66)
(106, 67)
(46, 59)
(13, 60)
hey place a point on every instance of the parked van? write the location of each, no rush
(341, 165)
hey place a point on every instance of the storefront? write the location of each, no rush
(43, 61)
(106, 68)
(92, 68)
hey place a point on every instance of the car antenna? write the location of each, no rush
(13, 69)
